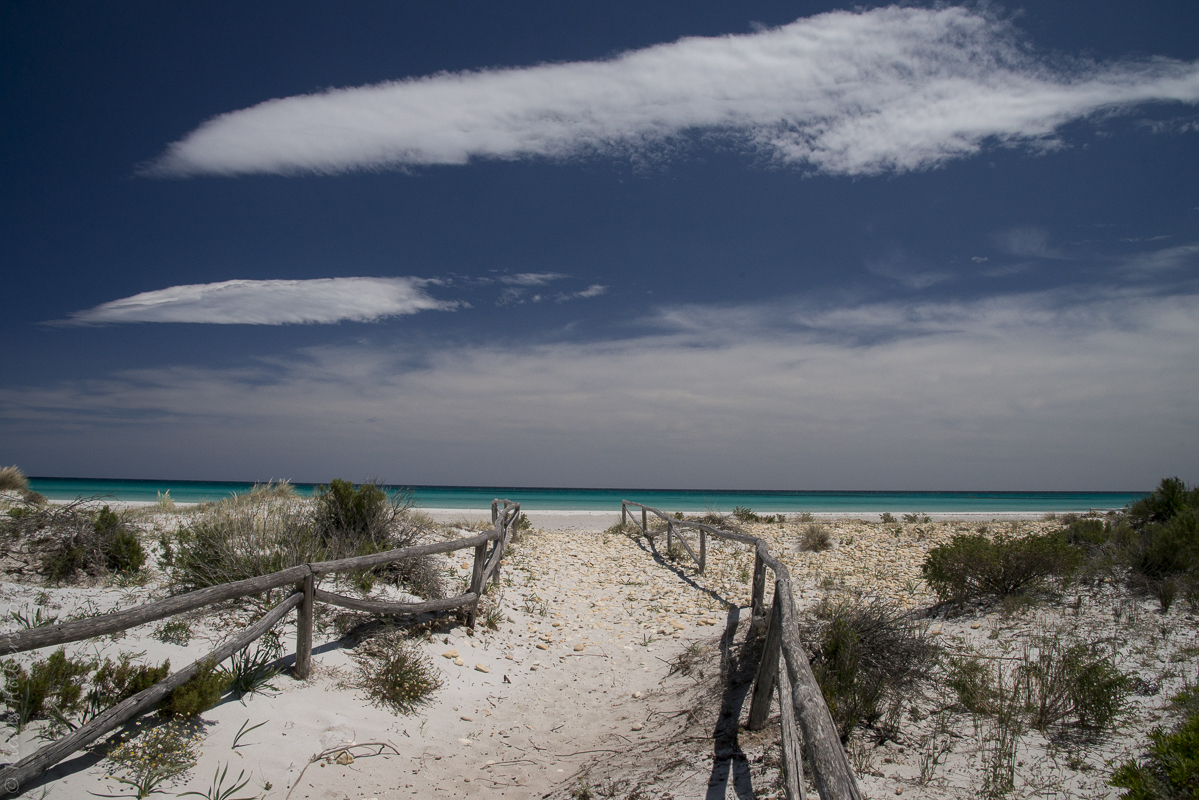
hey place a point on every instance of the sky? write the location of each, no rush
(752, 245)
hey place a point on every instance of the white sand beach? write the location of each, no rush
(607, 670)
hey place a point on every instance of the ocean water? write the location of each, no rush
(541, 499)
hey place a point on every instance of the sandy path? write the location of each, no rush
(590, 626)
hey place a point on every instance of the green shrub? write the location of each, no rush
(973, 566)
(54, 684)
(395, 673)
(125, 553)
(1087, 533)
(116, 681)
(1170, 770)
(1169, 499)
(200, 693)
(865, 655)
(350, 518)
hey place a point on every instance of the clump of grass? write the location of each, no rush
(1055, 683)
(174, 631)
(1062, 681)
(815, 538)
(13, 481)
(973, 566)
(887, 517)
(252, 672)
(744, 514)
(240, 538)
(971, 680)
(395, 672)
(866, 655)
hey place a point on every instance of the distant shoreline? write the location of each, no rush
(863, 504)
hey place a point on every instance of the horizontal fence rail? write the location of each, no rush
(784, 666)
(504, 514)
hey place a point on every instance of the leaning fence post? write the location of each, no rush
(669, 536)
(768, 672)
(303, 667)
(624, 515)
(476, 583)
(758, 611)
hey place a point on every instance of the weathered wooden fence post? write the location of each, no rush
(644, 521)
(476, 584)
(669, 536)
(792, 748)
(624, 515)
(758, 609)
(703, 550)
(303, 667)
(768, 672)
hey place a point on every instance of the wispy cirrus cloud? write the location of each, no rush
(269, 302)
(889, 89)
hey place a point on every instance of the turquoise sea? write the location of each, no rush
(541, 499)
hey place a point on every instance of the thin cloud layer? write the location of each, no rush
(275, 302)
(891, 89)
(944, 395)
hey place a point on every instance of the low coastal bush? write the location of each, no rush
(395, 672)
(1170, 769)
(973, 566)
(270, 529)
(866, 656)
(201, 692)
(66, 541)
(1157, 540)
(53, 685)
(117, 680)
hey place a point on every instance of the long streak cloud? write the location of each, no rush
(272, 302)
(886, 90)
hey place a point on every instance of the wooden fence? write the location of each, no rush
(504, 515)
(784, 665)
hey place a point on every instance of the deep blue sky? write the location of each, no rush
(920, 248)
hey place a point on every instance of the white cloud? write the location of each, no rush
(1042, 391)
(275, 302)
(531, 278)
(889, 89)
(594, 290)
